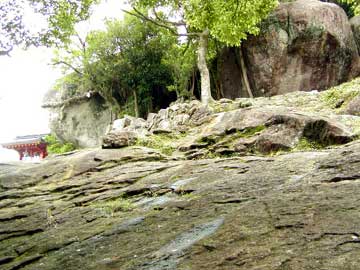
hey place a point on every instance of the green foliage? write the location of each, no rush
(126, 63)
(305, 144)
(54, 146)
(58, 19)
(351, 7)
(228, 21)
(181, 59)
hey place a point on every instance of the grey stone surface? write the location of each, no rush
(81, 120)
(297, 210)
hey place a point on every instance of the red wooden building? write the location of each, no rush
(29, 146)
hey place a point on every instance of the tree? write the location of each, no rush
(125, 63)
(56, 21)
(351, 7)
(226, 21)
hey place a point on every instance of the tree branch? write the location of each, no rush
(68, 65)
(180, 23)
(162, 24)
(2, 53)
(139, 15)
(82, 42)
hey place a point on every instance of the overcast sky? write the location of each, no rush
(26, 76)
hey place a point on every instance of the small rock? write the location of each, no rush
(118, 139)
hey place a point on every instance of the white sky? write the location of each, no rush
(26, 76)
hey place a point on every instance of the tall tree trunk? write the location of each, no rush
(136, 105)
(192, 84)
(204, 71)
(244, 73)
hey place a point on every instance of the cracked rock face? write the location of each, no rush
(134, 208)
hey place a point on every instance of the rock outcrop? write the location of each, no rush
(244, 184)
(304, 45)
(355, 26)
(134, 209)
(81, 120)
(245, 126)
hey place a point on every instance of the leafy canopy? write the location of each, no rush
(130, 55)
(55, 21)
(227, 21)
(352, 7)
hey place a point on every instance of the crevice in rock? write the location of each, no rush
(26, 262)
(15, 217)
(13, 234)
(355, 241)
(338, 179)
(321, 236)
(234, 200)
(290, 226)
(7, 259)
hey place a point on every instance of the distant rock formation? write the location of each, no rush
(81, 120)
(304, 45)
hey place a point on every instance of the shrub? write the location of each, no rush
(57, 147)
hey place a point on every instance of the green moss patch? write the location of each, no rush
(339, 96)
(109, 208)
(165, 143)
(305, 144)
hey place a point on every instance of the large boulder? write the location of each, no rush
(81, 120)
(303, 45)
(355, 26)
(268, 129)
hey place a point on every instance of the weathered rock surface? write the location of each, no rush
(355, 26)
(131, 208)
(217, 201)
(118, 139)
(245, 126)
(179, 117)
(304, 45)
(81, 120)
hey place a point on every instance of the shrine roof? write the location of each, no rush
(27, 139)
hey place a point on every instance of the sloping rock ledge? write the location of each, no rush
(246, 184)
(133, 208)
